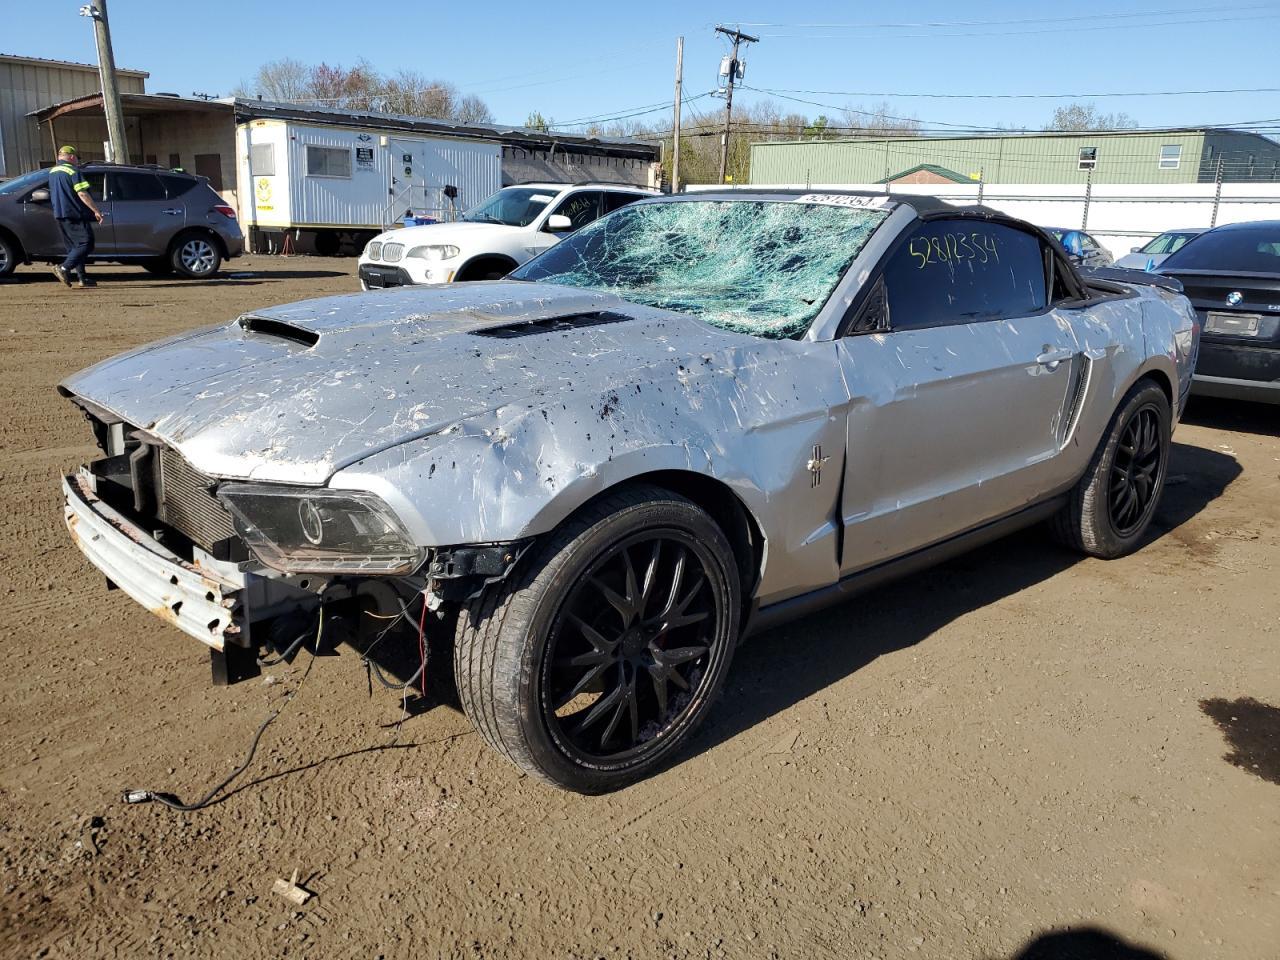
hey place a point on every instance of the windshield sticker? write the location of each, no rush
(843, 200)
(540, 198)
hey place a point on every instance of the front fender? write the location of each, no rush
(749, 423)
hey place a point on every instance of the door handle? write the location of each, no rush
(172, 211)
(1051, 358)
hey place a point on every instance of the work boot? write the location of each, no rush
(83, 282)
(61, 274)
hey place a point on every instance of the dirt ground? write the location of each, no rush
(966, 765)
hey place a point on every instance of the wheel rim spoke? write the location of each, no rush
(1134, 472)
(672, 658)
(609, 636)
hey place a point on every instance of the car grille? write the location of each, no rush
(186, 502)
(374, 250)
(392, 252)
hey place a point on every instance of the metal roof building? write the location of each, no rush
(1137, 157)
(27, 83)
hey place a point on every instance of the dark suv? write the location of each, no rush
(164, 220)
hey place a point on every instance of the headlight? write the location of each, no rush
(306, 530)
(434, 252)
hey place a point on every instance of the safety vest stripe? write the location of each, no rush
(82, 185)
(63, 168)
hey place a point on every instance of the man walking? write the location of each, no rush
(76, 213)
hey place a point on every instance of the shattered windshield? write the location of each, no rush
(763, 267)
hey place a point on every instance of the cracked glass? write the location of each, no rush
(761, 267)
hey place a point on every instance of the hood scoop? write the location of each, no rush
(280, 329)
(533, 328)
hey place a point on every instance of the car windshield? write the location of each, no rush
(1251, 249)
(760, 267)
(1167, 243)
(514, 206)
(36, 178)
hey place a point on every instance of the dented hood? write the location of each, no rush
(294, 393)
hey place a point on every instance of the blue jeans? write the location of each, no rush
(78, 237)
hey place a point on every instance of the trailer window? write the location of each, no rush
(329, 162)
(262, 160)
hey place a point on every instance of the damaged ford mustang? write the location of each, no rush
(695, 418)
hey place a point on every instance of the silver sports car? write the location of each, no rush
(694, 418)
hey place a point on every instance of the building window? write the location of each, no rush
(175, 162)
(1170, 156)
(1088, 158)
(262, 160)
(329, 162)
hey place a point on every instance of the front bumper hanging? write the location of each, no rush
(198, 602)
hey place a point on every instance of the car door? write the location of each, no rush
(143, 218)
(613, 199)
(580, 206)
(40, 234)
(960, 389)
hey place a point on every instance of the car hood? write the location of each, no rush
(1141, 261)
(446, 232)
(294, 393)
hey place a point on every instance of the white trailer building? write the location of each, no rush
(316, 175)
(313, 177)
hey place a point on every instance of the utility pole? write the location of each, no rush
(119, 144)
(675, 151)
(738, 38)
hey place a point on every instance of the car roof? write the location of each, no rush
(137, 167)
(602, 184)
(1244, 225)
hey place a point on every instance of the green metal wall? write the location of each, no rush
(1121, 158)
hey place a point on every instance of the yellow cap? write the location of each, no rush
(67, 148)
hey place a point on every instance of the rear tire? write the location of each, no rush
(195, 255)
(8, 256)
(1111, 507)
(598, 656)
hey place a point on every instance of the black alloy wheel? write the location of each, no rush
(1134, 471)
(1111, 508)
(595, 659)
(630, 649)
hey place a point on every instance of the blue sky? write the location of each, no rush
(573, 61)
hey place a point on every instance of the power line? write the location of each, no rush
(1164, 11)
(1029, 96)
(1025, 33)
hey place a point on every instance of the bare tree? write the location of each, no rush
(361, 87)
(286, 79)
(1085, 116)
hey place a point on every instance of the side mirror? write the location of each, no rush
(39, 196)
(558, 223)
(1135, 249)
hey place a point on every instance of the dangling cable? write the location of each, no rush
(171, 801)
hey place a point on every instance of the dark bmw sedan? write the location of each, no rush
(1232, 276)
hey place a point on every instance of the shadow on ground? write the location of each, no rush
(1086, 943)
(1262, 419)
(786, 665)
(140, 278)
(1252, 730)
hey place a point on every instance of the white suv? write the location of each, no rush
(491, 240)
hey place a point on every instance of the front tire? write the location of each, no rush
(1112, 505)
(598, 656)
(195, 255)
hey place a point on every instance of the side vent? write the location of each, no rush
(533, 328)
(280, 330)
(1076, 395)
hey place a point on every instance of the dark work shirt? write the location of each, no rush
(64, 183)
